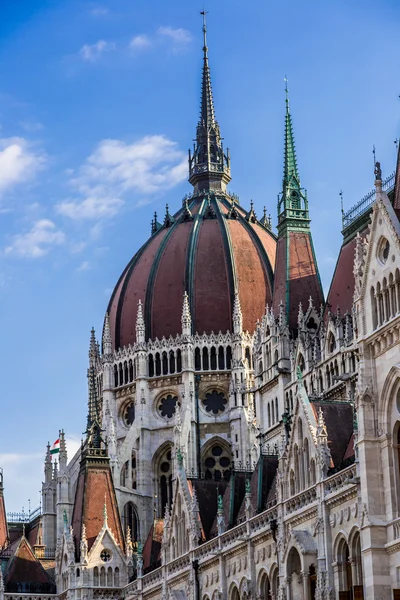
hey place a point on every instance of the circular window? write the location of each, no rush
(167, 406)
(129, 414)
(383, 250)
(217, 463)
(164, 467)
(105, 555)
(215, 402)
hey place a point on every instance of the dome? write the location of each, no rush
(210, 248)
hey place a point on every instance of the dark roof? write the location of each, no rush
(338, 417)
(207, 491)
(23, 567)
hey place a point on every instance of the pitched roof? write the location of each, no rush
(24, 567)
(95, 491)
(338, 417)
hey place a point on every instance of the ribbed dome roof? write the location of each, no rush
(209, 248)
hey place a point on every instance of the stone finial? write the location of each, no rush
(310, 303)
(105, 514)
(128, 542)
(221, 526)
(300, 317)
(237, 315)
(321, 428)
(186, 319)
(107, 343)
(140, 325)
(282, 314)
(63, 456)
(83, 544)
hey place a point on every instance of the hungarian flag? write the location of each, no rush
(55, 448)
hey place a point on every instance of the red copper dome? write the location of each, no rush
(209, 248)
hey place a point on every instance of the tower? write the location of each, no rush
(296, 271)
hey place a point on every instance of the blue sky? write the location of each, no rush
(98, 105)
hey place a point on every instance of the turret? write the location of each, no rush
(296, 270)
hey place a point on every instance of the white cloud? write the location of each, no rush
(36, 242)
(32, 126)
(140, 42)
(99, 11)
(19, 162)
(179, 36)
(93, 52)
(151, 165)
(84, 266)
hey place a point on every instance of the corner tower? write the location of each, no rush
(209, 166)
(296, 271)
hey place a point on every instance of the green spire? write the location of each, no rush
(292, 202)
(290, 172)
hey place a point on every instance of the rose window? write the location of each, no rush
(129, 414)
(383, 250)
(105, 555)
(215, 402)
(217, 463)
(167, 406)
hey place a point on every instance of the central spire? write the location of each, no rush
(209, 167)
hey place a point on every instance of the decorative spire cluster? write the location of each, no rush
(209, 166)
(93, 430)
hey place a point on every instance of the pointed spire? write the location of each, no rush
(251, 215)
(140, 324)
(155, 225)
(93, 431)
(63, 456)
(128, 543)
(93, 348)
(107, 341)
(237, 315)
(300, 317)
(292, 203)
(83, 544)
(186, 215)
(266, 221)
(186, 316)
(209, 167)
(290, 165)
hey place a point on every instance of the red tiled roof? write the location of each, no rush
(199, 256)
(296, 275)
(94, 489)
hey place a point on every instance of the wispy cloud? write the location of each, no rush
(19, 162)
(180, 37)
(32, 126)
(140, 42)
(99, 11)
(37, 241)
(84, 266)
(151, 165)
(93, 52)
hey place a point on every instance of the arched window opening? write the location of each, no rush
(110, 578)
(221, 358)
(312, 472)
(131, 374)
(164, 363)
(269, 415)
(357, 562)
(164, 476)
(213, 359)
(235, 594)
(96, 576)
(272, 413)
(205, 359)
(124, 473)
(172, 362)
(158, 364)
(228, 357)
(133, 470)
(301, 363)
(102, 576)
(306, 452)
(178, 361)
(276, 410)
(151, 365)
(197, 359)
(292, 488)
(331, 343)
(291, 400)
(126, 373)
(265, 588)
(294, 575)
(116, 577)
(276, 358)
(344, 568)
(248, 356)
(120, 375)
(130, 520)
(115, 376)
(374, 309)
(216, 462)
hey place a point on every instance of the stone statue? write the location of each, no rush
(378, 171)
